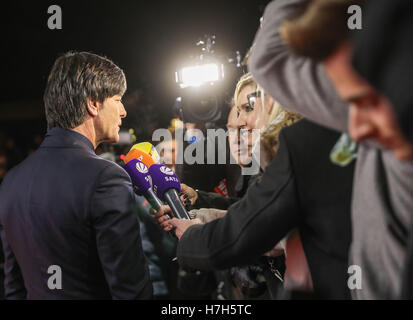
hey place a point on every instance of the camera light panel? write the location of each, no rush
(196, 76)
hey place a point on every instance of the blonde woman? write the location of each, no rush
(260, 118)
(254, 122)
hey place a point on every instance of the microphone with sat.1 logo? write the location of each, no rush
(141, 180)
(139, 158)
(144, 152)
(167, 183)
(166, 186)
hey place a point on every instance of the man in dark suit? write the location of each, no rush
(301, 188)
(66, 215)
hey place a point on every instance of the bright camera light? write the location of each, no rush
(198, 75)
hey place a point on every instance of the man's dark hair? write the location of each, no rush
(76, 76)
(320, 30)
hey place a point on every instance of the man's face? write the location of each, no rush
(371, 115)
(167, 154)
(109, 119)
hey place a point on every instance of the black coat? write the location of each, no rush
(65, 206)
(300, 188)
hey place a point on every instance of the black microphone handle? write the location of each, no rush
(156, 203)
(152, 199)
(172, 198)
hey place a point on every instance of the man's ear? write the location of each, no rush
(93, 107)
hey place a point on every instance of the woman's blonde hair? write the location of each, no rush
(269, 138)
(248, 80)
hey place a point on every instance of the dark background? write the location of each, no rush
(145, 38)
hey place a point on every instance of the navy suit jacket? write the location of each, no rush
(65, 206)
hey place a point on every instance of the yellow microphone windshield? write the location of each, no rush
(149, 149)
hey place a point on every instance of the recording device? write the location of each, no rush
(206, 83)
(149, 149)
(144, 152)
(141, 180)
(166, 186)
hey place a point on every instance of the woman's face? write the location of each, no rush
(250, 111)
(252, 118)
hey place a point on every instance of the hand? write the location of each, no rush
(188, 194)
(169, 224)
(164, 213)
(179, 225)
(207, 214)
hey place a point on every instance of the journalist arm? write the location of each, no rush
(297, 83)
(251, 226)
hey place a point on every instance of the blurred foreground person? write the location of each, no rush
(383, 53)
(66, 215)
(382, 195)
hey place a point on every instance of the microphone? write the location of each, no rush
(144, 152)
(166, 185)
(149, 149)
(141, 179)
(140, 155)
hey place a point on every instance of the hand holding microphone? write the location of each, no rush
(178, 226)
(139, 158)
(188, 194)
(141, 181)
(166, 186)
(165, 183)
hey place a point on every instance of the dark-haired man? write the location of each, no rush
(382, 194)
(383, 56)
(66, 215)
